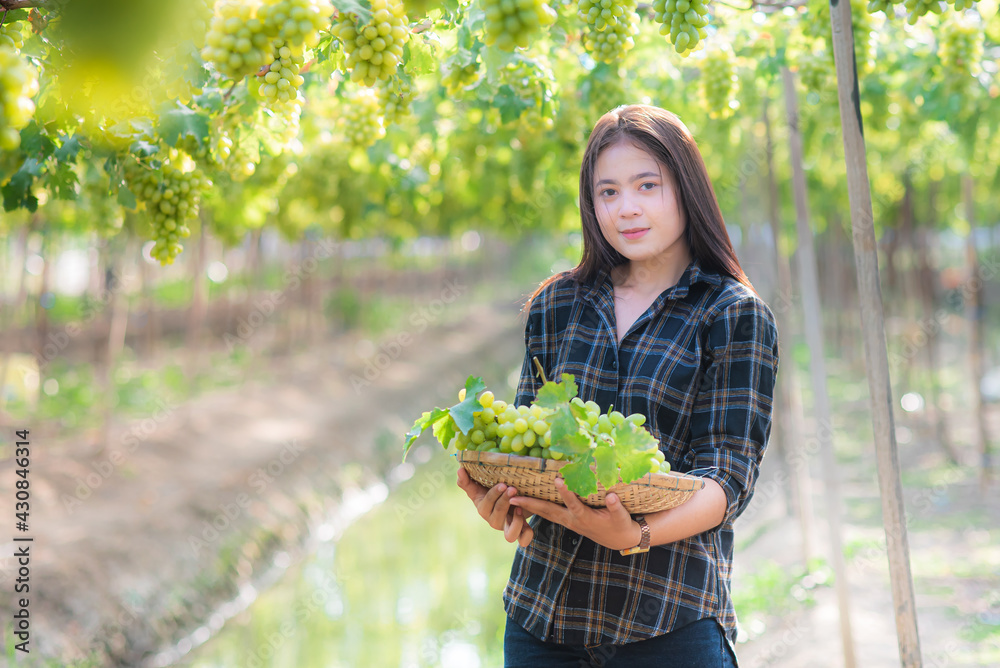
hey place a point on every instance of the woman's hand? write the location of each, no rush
(611, 527)
(494, 506)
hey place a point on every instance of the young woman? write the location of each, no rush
(658, 318)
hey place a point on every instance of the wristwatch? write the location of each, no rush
(643, 545)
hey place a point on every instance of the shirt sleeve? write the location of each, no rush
(534, 346)
(731, 414)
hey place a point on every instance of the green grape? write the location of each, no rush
(659, 455)
(488, 415)
(961, 50)
(296, 22)
(394, 98)
(505, 444)
(517, 443)
(11, 35)
(236, 43)
(361, 120)
(486, 399)
(282, 81)
(918, 8)
(664, 467)
(373, 49)
(540, 427)
(529, 437)
(611, 28)
(546, 453)
(604, 425)
(556, 455)
(718, 83)
(654, 465)
(617, 418)
(535, 452)
(683, 21)
(520, 425)
(592, 407)
(513, 23)
(477, 436)
(499, 406)
(638, 419)
(18, 84)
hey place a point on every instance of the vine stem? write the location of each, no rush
(23, 4)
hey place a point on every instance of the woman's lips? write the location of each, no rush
(635, 232)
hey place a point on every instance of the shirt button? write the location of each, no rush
(575, 541)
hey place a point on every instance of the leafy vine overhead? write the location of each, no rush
(405, 117)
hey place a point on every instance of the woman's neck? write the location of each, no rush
(653, 276)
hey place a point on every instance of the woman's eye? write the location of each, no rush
(650, 183)
(608, 192)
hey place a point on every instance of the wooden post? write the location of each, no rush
(809, 279)
(873, 334)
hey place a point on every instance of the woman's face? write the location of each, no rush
(636, 205)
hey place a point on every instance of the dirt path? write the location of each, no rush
(136, 545)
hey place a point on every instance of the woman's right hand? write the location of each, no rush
(494, 506)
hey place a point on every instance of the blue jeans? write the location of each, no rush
(700, 644)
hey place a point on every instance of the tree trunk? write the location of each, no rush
(798, 493)
(817, 365)
(118, 319)
(925, 282)
(199, 299)
(976, 316)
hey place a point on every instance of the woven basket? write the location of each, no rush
(535, 477)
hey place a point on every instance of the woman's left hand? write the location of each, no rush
(611, 527)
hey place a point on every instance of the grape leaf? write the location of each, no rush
(632, 438)
(579, 478)
(444, 430)
(563, 424)
(552, 394)
(607, 465)
(633, 465)
(572, 445)
(422, 422)
(180, 122)
(462, 411)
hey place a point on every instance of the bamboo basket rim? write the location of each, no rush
(651, 492)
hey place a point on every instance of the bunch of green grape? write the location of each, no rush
(815, 70)
(213, 152)
(11, 34)
(18, 84)
(295, 22)
(361, 118)
(525, 430)
(604, 89)
(816, 23)
(534, 82)
(513, 23)
(961, 49)
(718, 82)
(885, 6)
(611, 28)
(395, 97)
(236, 42)
(282, 119)
(918, 8)
(457, 77)
(282, 80)
(683, 21)
(171, 198)
(373, 49)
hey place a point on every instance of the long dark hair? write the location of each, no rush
(661, 134)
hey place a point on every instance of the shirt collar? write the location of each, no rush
(602, 289)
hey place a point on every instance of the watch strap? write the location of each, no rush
(643, 545)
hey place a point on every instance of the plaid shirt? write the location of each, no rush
(700, 364)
